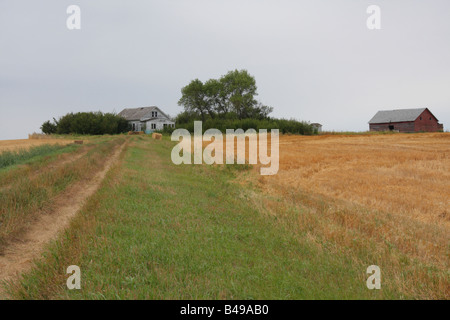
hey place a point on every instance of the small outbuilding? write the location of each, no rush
(317, 126)
(405, 120)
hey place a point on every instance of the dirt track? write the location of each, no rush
(18, 255)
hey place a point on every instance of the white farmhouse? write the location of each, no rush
(147, 119)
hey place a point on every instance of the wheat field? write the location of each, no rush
(403, 174)
(399, 173)
(24, 144)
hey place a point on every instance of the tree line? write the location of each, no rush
(285, 126)
(91, 123)
(229, 103)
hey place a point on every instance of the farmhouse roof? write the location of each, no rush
(137, 114)
(399, 115)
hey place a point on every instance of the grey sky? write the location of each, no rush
(313, 60)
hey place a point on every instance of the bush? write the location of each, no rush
(285, 126)
(89, 123)
(48, 127)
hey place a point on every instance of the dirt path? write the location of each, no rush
(18, 255)
(65, 159)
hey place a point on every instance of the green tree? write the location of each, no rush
(48, 127)
(216, 97)
(240, 89)
(194, 98)
(230, 97)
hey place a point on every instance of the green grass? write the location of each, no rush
(159, 231)
(9, 158)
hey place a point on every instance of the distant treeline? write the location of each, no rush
(92, 123)
(284, 125)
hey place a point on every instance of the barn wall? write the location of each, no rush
(400, 126)
(428, 123)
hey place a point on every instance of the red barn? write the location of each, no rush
(405, 120)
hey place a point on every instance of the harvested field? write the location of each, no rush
(13, 145)
(404, 174)
(400, 174)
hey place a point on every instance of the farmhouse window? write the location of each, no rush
(420, 118)
(153, 125)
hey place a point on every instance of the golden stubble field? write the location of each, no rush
(407, 174)
(20, 144)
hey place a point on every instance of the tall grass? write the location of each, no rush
(31, 194)
(9, 158)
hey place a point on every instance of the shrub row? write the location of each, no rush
(90, 123)
(285, 126)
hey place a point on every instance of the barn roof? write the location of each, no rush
(400, 115)
(137, 114)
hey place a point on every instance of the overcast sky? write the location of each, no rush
(313, 60)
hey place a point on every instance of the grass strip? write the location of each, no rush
(9, 158)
